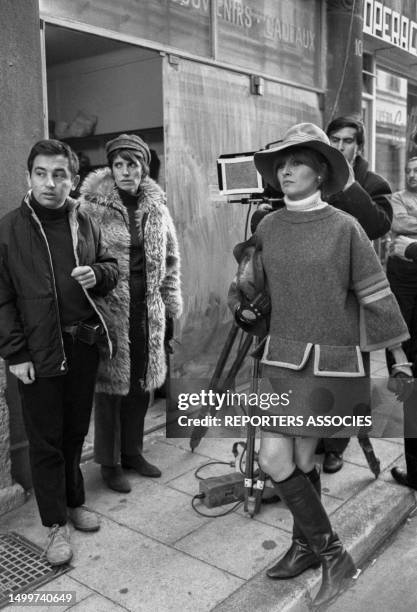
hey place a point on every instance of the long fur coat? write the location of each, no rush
(100, 198)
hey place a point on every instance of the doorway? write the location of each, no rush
(97, 88)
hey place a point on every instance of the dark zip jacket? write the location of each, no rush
(367, 200)
(30, 326)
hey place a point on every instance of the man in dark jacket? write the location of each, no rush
(402, 275)
(54, 274)
(367, 199)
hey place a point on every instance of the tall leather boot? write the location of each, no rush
(299, 557)
(311, 517)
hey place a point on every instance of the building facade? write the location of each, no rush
(197, 79)
(390, 84)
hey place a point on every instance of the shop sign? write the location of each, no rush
(279, 38)
(389, 25)
(257, 22)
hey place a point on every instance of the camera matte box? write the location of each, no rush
(237, 174)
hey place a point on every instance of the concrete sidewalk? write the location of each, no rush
(153, 552)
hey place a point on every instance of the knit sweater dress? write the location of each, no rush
(331, 305)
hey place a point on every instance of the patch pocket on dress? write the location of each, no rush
(343, 361)
(284, 353)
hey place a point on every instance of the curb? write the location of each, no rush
(364, 522)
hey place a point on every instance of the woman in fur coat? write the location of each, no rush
(136, 225)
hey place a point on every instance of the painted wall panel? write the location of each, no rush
(280, 38)
(209, 112)
(179, 23)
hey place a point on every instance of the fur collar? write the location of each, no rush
(99, 188)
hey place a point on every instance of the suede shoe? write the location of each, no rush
(140, 465)
(333, 462)
(83, 519)
(58, 550)
(115, 479)
(402, 478)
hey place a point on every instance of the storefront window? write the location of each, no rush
(391, 127)
(412, 121)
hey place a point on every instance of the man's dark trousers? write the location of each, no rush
(56, 412)
(410, 434)
(402, 277)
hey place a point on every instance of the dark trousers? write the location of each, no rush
(119, 419)
(335, 445)
(410, 436)
(56, 413)
(402, 276)
(119, 425)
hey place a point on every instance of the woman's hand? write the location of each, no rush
(404, 386)
(399, 245)
(402, 374)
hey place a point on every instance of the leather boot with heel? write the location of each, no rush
(299, 557)
(310, 516)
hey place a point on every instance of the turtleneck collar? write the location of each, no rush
(313, 202)
(44, 213)
(127, 198)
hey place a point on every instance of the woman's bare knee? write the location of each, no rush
(304, 453)
(275, 468)
(305, 465)
(276, 458)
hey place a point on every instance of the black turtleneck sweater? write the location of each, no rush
(72, 301)
(130, 202)
(137, 306)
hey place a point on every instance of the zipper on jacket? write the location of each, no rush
(33, 214)
(74, 236)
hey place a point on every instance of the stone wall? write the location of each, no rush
(11, 495)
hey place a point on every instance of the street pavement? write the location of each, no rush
(155, 553)
(389, 583)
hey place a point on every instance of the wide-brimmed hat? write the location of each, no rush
(309, 136)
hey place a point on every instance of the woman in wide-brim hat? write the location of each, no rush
(138, 229)
(330, 305)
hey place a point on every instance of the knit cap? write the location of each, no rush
(132, 142)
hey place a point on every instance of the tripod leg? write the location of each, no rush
(198, 431)
(259, 489)
(373, 461)
(224, 355)
(249, 498)
(237, 364)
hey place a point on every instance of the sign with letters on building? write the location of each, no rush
(390, 25)
(278, 38)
